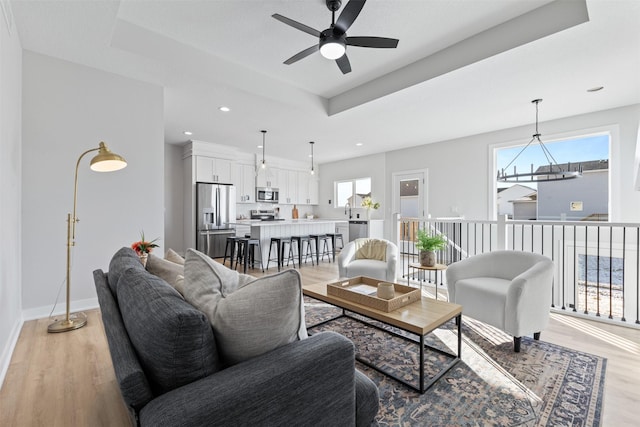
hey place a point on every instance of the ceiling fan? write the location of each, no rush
(334, 40)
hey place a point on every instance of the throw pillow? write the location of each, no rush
(173, 256)
(248, 320)
(259, 317)
(373, 249)
(206, 281)
(122, 260)
(166, 270)
(173, 340)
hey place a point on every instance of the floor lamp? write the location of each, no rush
(104, 161)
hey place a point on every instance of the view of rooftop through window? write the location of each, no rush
(582, 149)
(584, 198)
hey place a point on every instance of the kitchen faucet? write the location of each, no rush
(345, 209)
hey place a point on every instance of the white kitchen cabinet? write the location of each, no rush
(212, 169)
(307, 188)
(245, 182)
(288, 186)
(343, 228)
(267, 177)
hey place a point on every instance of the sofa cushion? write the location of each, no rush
(260, 316)
(173, 340)
(166, 270)
(122, 260)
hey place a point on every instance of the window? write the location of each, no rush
(585, 198)
(351, 191)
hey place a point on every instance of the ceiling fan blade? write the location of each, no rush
(297, 25)
(349, 14)
(302, 54)
(378, 42)
(344, 64)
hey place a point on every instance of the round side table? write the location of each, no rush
(421, 268)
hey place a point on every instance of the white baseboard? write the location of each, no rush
(42, 312)
(7, 352)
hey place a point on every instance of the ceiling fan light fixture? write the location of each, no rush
(332, 46)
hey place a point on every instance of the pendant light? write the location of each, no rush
(552, 172)
(264, 165)
(312, 170)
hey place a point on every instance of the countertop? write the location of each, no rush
(260, 223)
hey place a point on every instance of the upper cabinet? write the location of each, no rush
(212, 169)
(267, 177)
(288, 186)
(307, 188)
(245, 182)
(209, 162)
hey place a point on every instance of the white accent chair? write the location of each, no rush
(349, 266)
(510, 290)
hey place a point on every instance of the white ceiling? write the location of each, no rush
(462, 67)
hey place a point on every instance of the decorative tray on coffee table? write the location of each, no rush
(362, 290)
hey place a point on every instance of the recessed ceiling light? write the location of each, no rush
(225, 109)
(259, 146)
(595, 89)
(186, 132)
(359, 144)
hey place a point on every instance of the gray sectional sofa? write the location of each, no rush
(170, 374)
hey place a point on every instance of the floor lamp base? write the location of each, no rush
(76, 321)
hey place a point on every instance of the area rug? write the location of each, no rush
(543, 385)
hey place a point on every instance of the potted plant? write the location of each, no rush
(428, 245)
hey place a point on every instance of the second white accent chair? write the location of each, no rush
(510, 290)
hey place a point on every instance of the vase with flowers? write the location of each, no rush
(369, 204)
(143, 248)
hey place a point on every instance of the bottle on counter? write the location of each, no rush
(294, 212)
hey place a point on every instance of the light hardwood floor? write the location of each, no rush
(67, 379)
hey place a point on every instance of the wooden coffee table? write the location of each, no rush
(420, 318)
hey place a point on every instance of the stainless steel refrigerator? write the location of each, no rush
(215, 209)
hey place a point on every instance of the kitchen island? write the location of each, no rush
(265, 230)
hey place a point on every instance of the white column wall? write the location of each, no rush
(10, 190)
(68, 109)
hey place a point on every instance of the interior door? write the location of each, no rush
(409, 200)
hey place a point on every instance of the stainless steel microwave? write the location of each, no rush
(266, 195)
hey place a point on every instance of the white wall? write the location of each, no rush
(369, 166)
(173, 198)
(10, 175)
(68, 109)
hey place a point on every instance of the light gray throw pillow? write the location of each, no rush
(166, 270)
(248, 320)
(173, 256)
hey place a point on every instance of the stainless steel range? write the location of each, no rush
(265, 215)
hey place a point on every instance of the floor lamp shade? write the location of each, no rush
(104, 161)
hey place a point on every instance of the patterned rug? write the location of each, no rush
(543, 385)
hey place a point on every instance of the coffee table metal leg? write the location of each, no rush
(422, 389)
(459, 323)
